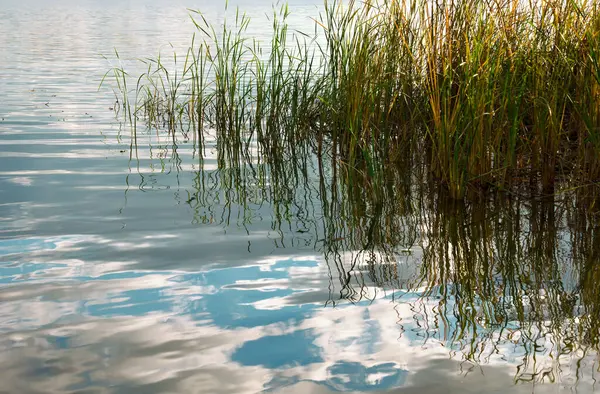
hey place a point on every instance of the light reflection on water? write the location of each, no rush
(148, 271)
(249, 316)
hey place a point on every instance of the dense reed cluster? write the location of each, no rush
(362, 136)
(482, 94)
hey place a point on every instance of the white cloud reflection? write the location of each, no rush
(72, 324)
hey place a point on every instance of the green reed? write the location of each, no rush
(494, 94)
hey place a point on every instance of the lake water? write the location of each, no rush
(141, 269)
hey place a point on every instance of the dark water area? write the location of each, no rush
(142, 266)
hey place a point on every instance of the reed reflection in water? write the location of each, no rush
(505, 279)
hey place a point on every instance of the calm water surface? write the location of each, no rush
(149, 271)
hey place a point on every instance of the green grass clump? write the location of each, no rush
(484, 94)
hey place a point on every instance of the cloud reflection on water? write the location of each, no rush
(114, 316)
(234, 329)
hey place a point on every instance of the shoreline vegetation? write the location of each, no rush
(480, 95)
(384, 135)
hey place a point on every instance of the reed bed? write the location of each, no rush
(492, 94)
